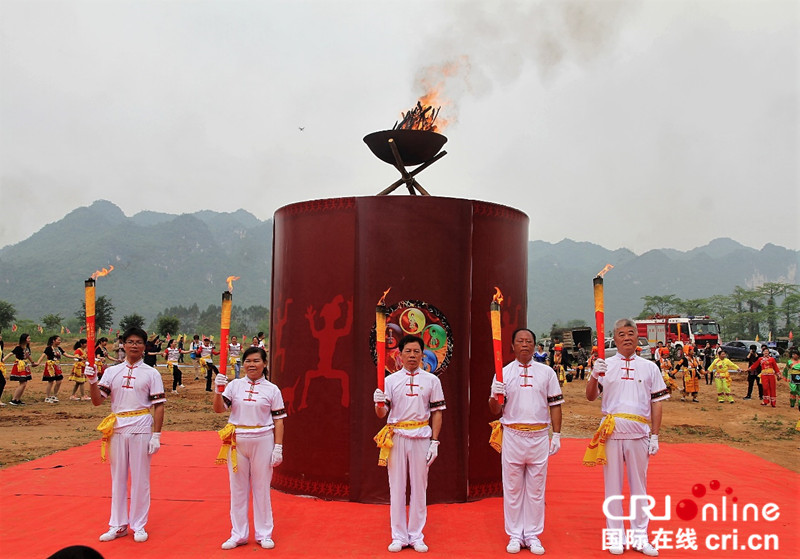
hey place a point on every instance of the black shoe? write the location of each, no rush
(14, 403)
(747, 398)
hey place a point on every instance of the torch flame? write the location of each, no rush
(230, 281)
(103, 272)
(498, 296)
(604, 270)
(383, 297)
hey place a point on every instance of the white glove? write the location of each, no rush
(90, 373)
(599, 368)
(555, 443)
(277, 455)
(433, 452)
(652, 448)
(220, 380)
(155, 443)
(378, 396)
(498, 388)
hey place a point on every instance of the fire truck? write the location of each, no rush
(697, 330)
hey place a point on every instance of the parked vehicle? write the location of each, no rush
(611, 348)
(697, 330)
(738, 349)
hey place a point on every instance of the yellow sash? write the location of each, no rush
(107, 427)
(232, 361)
(228, 436)
(384, 437)
(2, 367)
(496, 438)
(170, 365)
(596, 452)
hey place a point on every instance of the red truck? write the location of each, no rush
(697, 330)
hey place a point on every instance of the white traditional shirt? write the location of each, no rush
(253, 403)
(530, 391)
(173, 354)
(206, 352)
(412, 396)
(234, 350)
(630, 385)
(132, 388)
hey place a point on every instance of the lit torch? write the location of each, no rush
(89, 294)
(225, 326)
(380, 340)
(600, 311)
(497, 337)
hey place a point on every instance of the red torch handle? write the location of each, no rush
(89, 293)
(380, 347)
(599, 316)
(498, 365)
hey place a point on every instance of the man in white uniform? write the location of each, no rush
(414, 400)
(532, 401)
(633, 389)
(132, 432)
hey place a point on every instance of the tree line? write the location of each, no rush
(773, 307)
(176, 320)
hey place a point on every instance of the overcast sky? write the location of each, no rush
(628, 124)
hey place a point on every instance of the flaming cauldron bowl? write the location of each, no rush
(415, 146)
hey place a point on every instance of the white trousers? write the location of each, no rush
(407, 461)
(633, 454)
(128, 455)
(254, 458)
(524, 461)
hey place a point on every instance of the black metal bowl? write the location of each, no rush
(415, 146)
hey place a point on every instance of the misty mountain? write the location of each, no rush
(160, 260)
(560, 276)
(163, 260)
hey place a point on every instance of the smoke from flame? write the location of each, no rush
(498, 296)
(230, 281)
(101, 273)
(603, 272)
(496, 45)
(382, 300)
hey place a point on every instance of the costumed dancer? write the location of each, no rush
(195, 347)
(593, 355)
(558, 364)
(173, 354)
(21, 371)
(769, 377)
(252, 445)
(2, 369)
(234, 360)
(102, 358)
(691, 376)
(633, 389)
(533, 401)
(52, 374)
(132, 434)
(413, 399)
(77, 375)
(792, 373)
(680, 366)
(207, 354)
(721, 368)
(665, 364)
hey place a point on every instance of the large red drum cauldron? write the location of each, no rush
(442, 258)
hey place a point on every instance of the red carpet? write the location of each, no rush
(63, 500)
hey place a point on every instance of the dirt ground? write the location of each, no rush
(38, 429)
